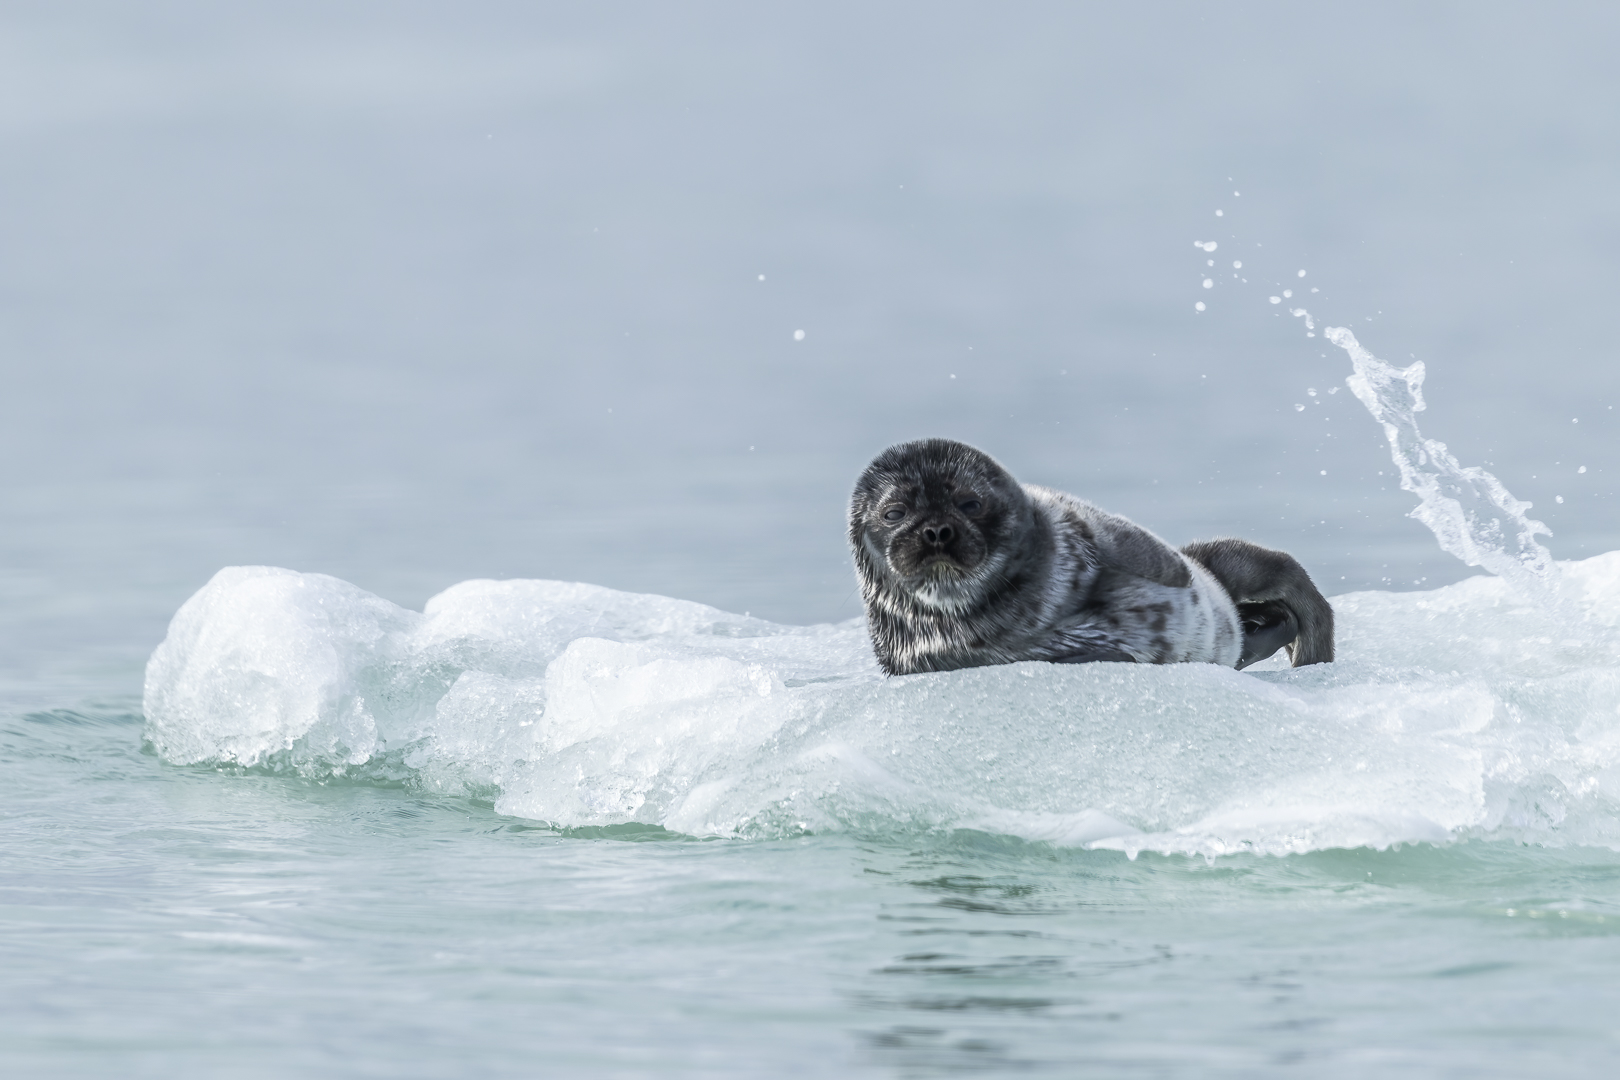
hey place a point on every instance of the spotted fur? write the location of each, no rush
(961, 566)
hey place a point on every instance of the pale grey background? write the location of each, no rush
(412, 293)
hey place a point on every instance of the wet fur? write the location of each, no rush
(981, 570)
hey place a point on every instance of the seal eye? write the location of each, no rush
(894, 513)
(970, 506)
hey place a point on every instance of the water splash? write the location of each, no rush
(1469, 511)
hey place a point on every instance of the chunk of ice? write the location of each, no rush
(1453, 713)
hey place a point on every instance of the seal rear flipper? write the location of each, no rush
(1257, 577)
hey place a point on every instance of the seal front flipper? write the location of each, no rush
(1267, 627)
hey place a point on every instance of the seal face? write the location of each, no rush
(942, 523)
(961, 566)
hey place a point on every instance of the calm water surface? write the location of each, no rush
(163, 919)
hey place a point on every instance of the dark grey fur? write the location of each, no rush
(971, 568)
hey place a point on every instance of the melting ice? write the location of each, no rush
(1459, 712)
(1490, 708)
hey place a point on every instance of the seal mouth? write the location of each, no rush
(941, 567)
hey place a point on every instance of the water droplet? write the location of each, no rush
(1299, 408)
(1581, 469)
(762, 277)
(1302, 273)
(1237, 264)
(1288, 292)
(1208, 283)
(798, 335)
(1198, 306)
(1276, 299)
(1558, 498)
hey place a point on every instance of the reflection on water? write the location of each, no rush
(1019, 958)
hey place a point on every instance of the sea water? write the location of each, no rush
(557, 828)
(427, 641)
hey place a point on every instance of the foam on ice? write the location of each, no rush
(1453, 713)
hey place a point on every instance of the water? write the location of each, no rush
(188, 920)
(407, 299)
(1469, 511)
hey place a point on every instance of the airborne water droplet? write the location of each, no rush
(1471, 513)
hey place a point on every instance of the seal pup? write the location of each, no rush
(961, 566)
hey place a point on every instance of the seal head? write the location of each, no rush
(937, 521)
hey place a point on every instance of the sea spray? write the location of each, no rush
(1470, 512)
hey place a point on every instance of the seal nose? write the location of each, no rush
(939, 534)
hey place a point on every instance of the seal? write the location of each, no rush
(962, 566)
